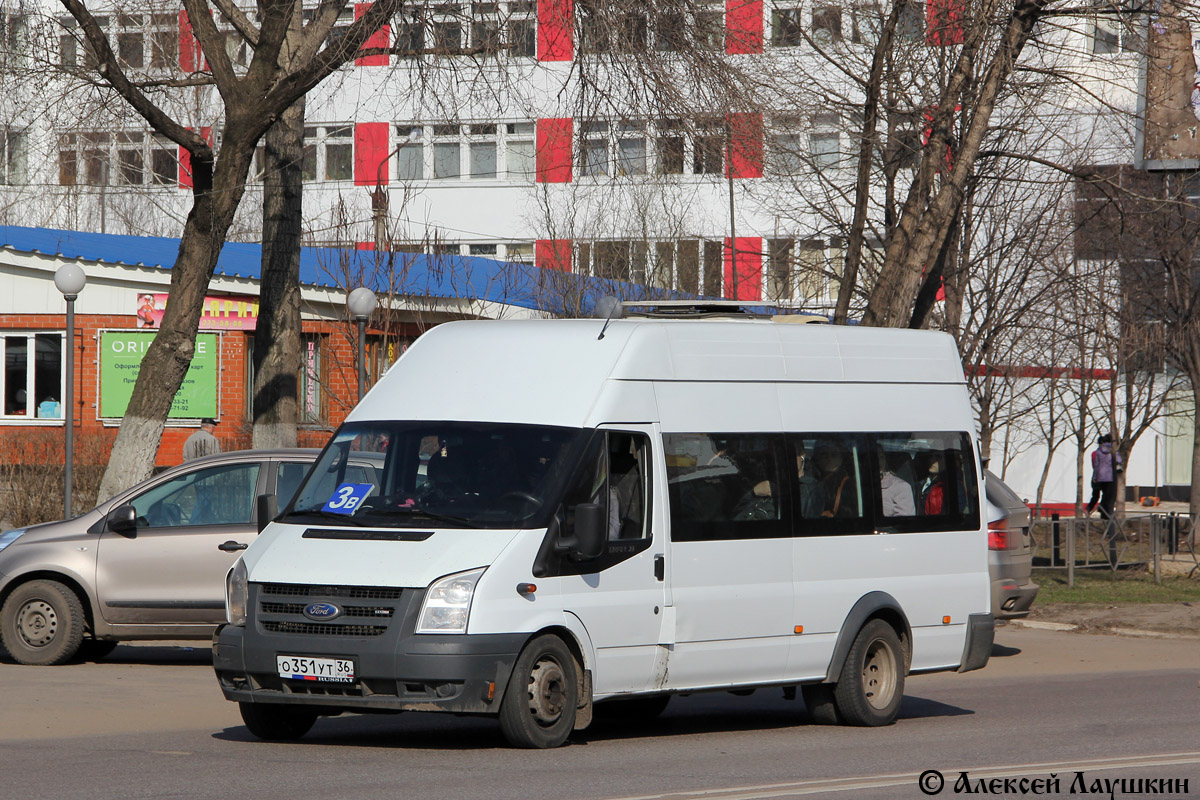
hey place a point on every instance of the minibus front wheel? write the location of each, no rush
(538, 709)
(277, 723)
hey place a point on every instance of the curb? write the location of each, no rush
(1043, 626)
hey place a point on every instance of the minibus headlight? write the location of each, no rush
(237, 594)
(448, 603)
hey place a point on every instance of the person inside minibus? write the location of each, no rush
(897, 493)
(840, 489)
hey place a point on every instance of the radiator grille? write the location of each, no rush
(323, 629)
(347, 592)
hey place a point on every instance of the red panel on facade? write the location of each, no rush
(364, 246)
(371, 153)
(743, 26)
(553, 254)
(749, 269)
(189, 48)
(556, 30)
(746, 145)
(185, 161)
(943, 22)
(554, 145)
(380, 38)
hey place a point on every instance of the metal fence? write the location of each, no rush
(1144, 540)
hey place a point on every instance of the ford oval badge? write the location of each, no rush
(322, 611)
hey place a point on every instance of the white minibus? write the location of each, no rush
(578, 517)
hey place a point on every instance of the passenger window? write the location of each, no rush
(214, 496)
(726, 486)
(287, 480)
(927, 481)
(628, 462)
(828, 474)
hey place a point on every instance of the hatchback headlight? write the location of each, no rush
(237, 594)
(8, 537)
(448, 603)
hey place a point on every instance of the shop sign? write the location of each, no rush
(233, 312)
(121, 355)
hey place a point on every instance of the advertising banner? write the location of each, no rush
(121, 355)
(221, 313)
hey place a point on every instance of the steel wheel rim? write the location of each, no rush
(879, 674)
(37, 623)
(547, 691)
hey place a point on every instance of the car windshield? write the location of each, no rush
(437, 474)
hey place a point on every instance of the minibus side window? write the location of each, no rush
(927, 482)
(727, 486)
(828, 483)
(629, 485)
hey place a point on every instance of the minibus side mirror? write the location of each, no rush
(123, 519)
(590, 532)
(267, 510)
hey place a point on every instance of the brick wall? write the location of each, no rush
(22, 442)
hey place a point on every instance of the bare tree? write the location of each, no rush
(251, 101)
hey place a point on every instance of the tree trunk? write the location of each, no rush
(924, 221)
(277, 336)
(216, 197)
(1194, 494)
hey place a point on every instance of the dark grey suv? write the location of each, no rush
(1010, 550)
(149, 563)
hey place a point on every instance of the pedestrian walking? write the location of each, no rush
(1106, 465)
(202, 442)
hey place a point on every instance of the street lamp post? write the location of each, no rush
(362, 302)
(70, 280)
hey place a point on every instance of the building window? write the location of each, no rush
(593, 148)
(827, 24)
(1113, 31)
(779, 269)
(120, 158)
(520, 157)
(785, 27)
(475, 151)
(32, 381)
(824, 141)
(410, 153)
(309, 396)
(447, 150)
(708, 148)
(479, 29)
(139, 41)
(13, 39)
(482, 149)
(12, 157)
(911, 24)
(328, 153)
(519, 252)
(866, 21)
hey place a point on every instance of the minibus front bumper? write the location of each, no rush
(394, 669)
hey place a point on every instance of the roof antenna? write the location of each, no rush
(608, 307)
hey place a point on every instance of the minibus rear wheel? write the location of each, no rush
(276, 723)
(871, 685)
(538, 710)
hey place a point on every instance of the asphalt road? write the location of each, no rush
(149, 722)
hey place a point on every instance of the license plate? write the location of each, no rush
(307, 668)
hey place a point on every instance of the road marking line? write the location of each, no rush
(817, 786)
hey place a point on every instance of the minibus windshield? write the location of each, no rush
(437, 474)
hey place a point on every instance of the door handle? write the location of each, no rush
(232, 546)
(660, 567)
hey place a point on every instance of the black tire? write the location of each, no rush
(871, 685)
(42, 624)
(538, 710)
(632, 709)
(276, 723)
(821, 704)
(96, 649)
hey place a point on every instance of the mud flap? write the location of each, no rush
(583, 712)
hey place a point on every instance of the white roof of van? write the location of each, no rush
(552, 371)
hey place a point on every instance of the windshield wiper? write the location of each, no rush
(413, 511)
(330, 515)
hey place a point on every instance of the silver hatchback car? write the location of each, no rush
(149, 563)
(1010, 550)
